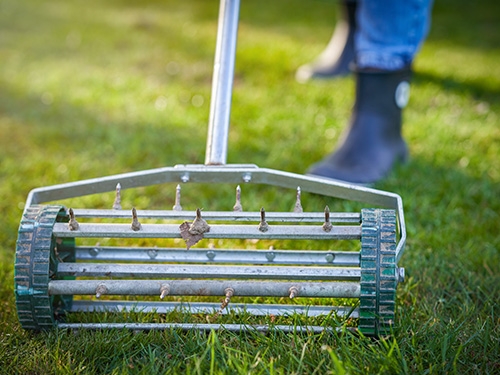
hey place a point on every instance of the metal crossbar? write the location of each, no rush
(219, 256)
(246, 288)
(210, 308)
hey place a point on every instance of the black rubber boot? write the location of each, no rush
(334, 61)
(373, 142)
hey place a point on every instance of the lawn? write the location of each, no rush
(93, 88)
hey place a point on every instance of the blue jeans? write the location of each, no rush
(390, 32)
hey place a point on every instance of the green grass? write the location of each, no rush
(92, 88)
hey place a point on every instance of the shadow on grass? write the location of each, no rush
(479, 90)
(62, 131)
(481, 18)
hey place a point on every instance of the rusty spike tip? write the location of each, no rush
(73, 224)
(136, 226)
(327, 226)
(262, 215)
(177, 205)
(199, 225)
(263, 226)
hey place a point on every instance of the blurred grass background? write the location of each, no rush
(89, 89)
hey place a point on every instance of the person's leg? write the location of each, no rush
(390, 32)
(389, 35)
(339, 53)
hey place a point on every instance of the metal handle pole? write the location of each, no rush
(222, 84)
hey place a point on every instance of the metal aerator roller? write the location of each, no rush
(50, 266)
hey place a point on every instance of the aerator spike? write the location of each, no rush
(73, 224)
(177, 205)
(298, 205)
(164, 291)
(327, 226)
(237, 206)
(229, 292)
(199, 225)
(136, 226)
(100, 290)
(117, 204)
(293, 291)
(192, 233)
(263, 226)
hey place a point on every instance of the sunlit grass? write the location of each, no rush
(89, 89)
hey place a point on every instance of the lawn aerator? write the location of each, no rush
(50, 268)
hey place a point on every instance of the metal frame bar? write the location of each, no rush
(287, 232)
(251, 216)
(148, 254)
(204, 327)
(206, 287)
(149, 270)
(210, 308)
